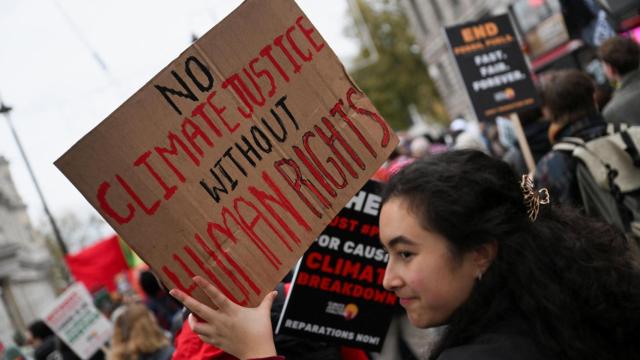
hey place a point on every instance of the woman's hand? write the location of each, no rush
(240, 331)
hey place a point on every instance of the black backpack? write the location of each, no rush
(608, 175)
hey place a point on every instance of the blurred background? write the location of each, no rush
(66, 64)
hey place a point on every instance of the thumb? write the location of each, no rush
(267, 302)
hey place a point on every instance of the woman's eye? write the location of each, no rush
(405, 255)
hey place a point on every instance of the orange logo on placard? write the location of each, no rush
(510, 93)
(350, 311)
(504, 95)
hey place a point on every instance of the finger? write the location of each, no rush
(267, 302)
(196, 318)
(197, 308)
(217, 297)
(209, 340)
(192, 321)
(201, 328)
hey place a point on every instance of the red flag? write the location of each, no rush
(98, 265)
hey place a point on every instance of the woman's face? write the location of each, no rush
(428, 281)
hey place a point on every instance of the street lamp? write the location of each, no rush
(6, 110)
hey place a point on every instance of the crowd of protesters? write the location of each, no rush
(145, 326)
(507, 271)
(529, 281)
(570, 107)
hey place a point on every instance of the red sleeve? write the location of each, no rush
(348, 353)
(188, 346)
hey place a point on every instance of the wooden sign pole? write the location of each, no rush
(524, 145)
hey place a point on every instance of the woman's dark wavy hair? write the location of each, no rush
(574, 280)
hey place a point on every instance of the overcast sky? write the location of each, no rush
(67, 64)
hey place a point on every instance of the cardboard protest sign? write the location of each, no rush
(77, 322)
(232, 159)
(337, 292)
(492, 66)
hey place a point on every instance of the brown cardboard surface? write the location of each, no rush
(232, 159)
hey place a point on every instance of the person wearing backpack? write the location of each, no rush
(620, 57)
(568, 103)
(593, 165)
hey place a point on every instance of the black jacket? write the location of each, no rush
(509, 340)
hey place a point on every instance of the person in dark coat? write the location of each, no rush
(620, 57)
(42, 339)
(568, 102)
(163, 306)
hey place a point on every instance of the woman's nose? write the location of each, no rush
(391, 280)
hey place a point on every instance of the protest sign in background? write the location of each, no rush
(492, 66)
(77, 322)
(337, 292)
(232, 159)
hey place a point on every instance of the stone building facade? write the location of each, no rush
(25, 284)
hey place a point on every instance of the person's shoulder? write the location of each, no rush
(495, 346)
(610, 108)
(624, 102)
(634, 79)
(45, 348)
(552, 162)
(620, 112)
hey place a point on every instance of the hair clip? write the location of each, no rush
(533, 198)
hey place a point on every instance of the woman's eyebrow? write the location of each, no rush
(401, 239)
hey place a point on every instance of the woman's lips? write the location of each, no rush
(406, 301)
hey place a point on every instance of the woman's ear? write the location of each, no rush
(484, 255)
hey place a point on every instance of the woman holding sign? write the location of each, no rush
(474, 247)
